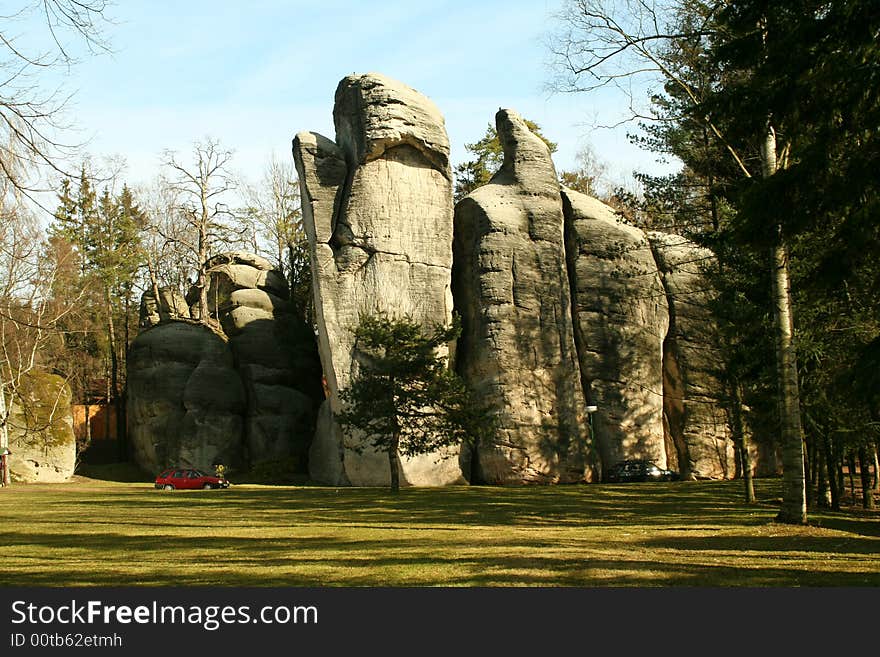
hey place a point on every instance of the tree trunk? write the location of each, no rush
(874, 451)
(811, 473)
(121, 402)
(823, 497)
(393, 464)
(865, 470)
(113, 390)
(851, 466)
(202, 280)
(741, 442)
(794, 494)
(832, 465)
(4, 436)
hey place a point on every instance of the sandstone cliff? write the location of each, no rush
(695, 420)
(377, 209)
(621, 319)
(511, 287)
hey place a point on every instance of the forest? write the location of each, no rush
(772, 108)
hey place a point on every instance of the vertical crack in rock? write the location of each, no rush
(570, 243)
(377, 208)
(674, 411)
(695, 419)
(517, 346)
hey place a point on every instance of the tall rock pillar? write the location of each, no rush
(517, 347)
(377, 209)
(695, 419)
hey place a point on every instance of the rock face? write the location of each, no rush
(695, 421)
(511, 288)
(171, 304)
(240, 394)
(277, 366)
(186, 403)
(41, 438)
(377, 208)
(612, 317)
(621, 320)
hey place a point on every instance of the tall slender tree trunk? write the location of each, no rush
(113, 388)
(5, 478)
(794, 494)
(202, 281)
(121, 408)
(740, 441)
(851, 466)
(823, 494)
(874, 453)
(865, 471)
(393, 464)
(810, 472)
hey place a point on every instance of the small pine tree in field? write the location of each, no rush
(404, 399)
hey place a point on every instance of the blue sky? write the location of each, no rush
(253, 74)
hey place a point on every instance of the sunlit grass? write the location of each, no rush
(678, 534)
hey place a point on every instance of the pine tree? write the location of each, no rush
(404, 399)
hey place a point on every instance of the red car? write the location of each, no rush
(188, 478)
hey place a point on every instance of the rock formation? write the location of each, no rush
(517, 347)
(186, 403)
(41, 438)
(620, 320)
(240, 392)
(695, 421)
(610, 318)
(171, 304)
(275, 361)
(377, 209)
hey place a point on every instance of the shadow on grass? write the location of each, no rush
(775, 544)
(332, 562)
(119, 472)
(596, 535)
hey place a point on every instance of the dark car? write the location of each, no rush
(639, 470)
(188, 478)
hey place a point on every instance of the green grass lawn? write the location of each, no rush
(94, 532)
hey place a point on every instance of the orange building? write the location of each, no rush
(101, 420)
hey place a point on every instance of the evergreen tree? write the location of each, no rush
(404, 399)
(103, 234)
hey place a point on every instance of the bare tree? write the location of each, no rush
(31, 115)
(202, 216)
(274, 209)
(168, 263)
(29, 316)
